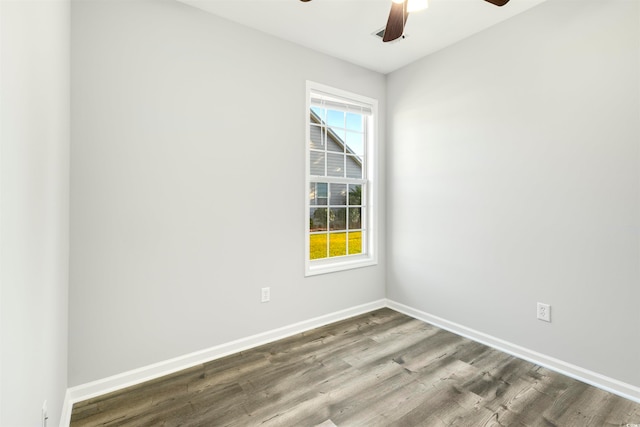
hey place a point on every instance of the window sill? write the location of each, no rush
(332, 265)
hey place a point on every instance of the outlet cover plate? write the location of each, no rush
(45, 416)
(266, 294)
(543, 312)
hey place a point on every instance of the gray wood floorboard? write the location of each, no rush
(379, 369)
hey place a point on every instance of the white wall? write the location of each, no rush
(34, 217)
(514, 177)
(187, 185)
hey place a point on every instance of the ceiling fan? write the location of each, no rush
(400, 12)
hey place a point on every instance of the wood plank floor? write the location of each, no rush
(379, 369)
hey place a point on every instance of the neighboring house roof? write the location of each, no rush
(315, 118)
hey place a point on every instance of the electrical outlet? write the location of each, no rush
(45, 416)
(266, 294)
(544, 312)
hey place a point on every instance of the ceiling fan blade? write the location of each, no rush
(498, 2)
(395, 23)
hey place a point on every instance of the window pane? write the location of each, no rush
(335, 164)
(354, 122)
(337, 244)
(355, 243)
(316, 159)
(355, 194)
(335, 118)
(312, 194)
(338, 218)
(335, 141)
(318, 219)
(321, 113)
(355, 221)
(317, 246)
(355, 143)
(354, 167)
(317, 135)
(338, 194)
(339, 147)
(322, 193)
(318, 193)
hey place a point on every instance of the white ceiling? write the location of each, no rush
(343, 28)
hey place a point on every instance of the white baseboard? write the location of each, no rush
(156, 370)
(146, 373)
(595, 379)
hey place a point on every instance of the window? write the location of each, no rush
(341, 177)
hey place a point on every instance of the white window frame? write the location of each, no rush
(369, 256)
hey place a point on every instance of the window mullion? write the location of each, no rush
(325, 143)
(337, 180)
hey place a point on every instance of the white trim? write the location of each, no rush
(370, 229)
(332, 265)
(156, 370)
(137, 376)
(595, 379)
(324, 100)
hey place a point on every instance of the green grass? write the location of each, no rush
(337, 244)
